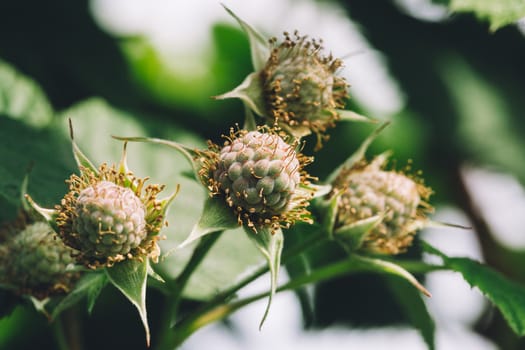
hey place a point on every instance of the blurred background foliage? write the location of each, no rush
(460, 81)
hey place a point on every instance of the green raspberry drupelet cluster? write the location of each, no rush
(109, 216)
(259, 174)
(302, 91)
(34, 262)
(367, 190)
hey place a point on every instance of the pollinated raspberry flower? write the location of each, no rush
(260, 176)
(367, 190)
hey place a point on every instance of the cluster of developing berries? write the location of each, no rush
(258, 174)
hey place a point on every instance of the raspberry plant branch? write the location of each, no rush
(60, 334)
(177, 285)
(353, 264)
(179, 332)
(218, 307)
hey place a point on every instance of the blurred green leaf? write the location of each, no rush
(508, 296)
(166, 83)
(46, 151)
(485, 123)
(498, 13)
(21, 98)
(8, 302)
(414, 308)
(25, 144)
(130, 277)
(23, 329)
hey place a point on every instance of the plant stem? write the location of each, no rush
(177, 287)
(60, 334)
(214, 309)
(352, 264)
(66, 331)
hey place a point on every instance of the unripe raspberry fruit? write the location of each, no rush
(110, 220)
(371, 191)
(36, 262)
(258, 174)
(108, 216)
(301, 88)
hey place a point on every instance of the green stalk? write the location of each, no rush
(177, 286)
(60, 334)
(352, 264)
(215, 309)
(66, 330)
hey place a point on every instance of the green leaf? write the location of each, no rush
(508, 296)
(21, 98)
(328, 212)
(270, 244)
(216, 216)
(231, 257)
(8, 302)
(414, 308)
(498, 13)
(250, 92)
(90, 286)
(130, 278)
(485, 117)
(46, 150)
(259, 47)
